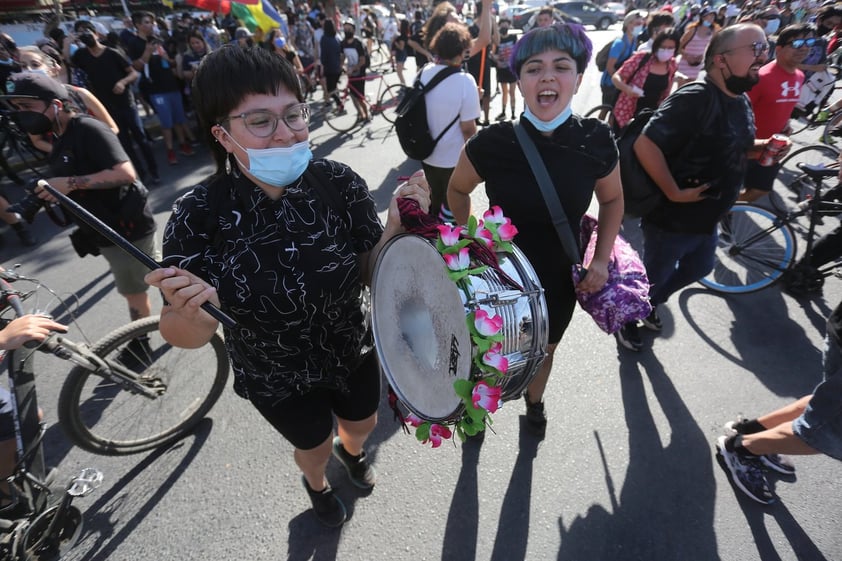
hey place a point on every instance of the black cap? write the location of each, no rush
(33, 85)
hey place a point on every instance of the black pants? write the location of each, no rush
(128, 121)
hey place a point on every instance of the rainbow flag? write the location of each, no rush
(260, 14)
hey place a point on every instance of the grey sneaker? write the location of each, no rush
(629, 337)
(776, 462)
(745, 473)
(359, 470)
(326, 505)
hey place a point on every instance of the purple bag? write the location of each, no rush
(625, 295)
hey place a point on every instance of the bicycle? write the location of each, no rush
(604, 113)
(810, 119)
(343, 118)
(757, 247)
(791, 184)
(38, 524)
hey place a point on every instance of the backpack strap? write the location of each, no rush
(435, 81)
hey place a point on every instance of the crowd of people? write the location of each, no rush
(272, 224)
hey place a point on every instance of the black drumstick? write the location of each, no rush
(102, 228)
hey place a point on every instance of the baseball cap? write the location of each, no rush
(32, 85)
(705, 11)
(242, 33)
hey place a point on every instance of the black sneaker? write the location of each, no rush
(359, 470)
(776, 462)
(326, 505)
(536, 417)
(745, 474)
(653, 320)
(629, 337)
(26, 238)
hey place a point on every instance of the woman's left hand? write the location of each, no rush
(596, 277)
(415, 188)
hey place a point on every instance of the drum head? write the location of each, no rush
(418, 320)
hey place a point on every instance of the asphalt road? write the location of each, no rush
(626, 471)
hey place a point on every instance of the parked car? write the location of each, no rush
(617, 7)
(588, 13)
(526, 19)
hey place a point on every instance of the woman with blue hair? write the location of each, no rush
(581, 157)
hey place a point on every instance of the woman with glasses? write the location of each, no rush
(283, 244)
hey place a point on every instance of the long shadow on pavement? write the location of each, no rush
(118, 511)
(666, 504)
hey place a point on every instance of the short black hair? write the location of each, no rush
(665, 35)
(137, 17)
(659, 19)
(229, 74)
(83, 24)
(794, 31)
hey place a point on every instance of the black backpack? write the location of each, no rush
(411, 123)
(640, 193)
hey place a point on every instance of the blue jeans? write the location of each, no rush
(674, 260)
(820, 425)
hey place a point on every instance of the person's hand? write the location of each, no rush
(415, 188)
(183, 291)
(691, 195)
(61, 184)
(27, 328)
(596, 277)
(782, 152)
(118, 88)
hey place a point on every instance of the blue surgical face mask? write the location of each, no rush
(706, 23)
(637, 30)
(549, 126)
(277, 167)
(772, 26)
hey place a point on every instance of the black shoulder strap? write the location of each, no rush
(440, 75)
(562, 225)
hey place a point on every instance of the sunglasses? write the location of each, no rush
(758, 48)
(798, 43)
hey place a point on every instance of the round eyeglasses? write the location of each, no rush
(263, 123)
(758, 48)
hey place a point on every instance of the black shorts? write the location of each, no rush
(610, 95)
(7, 418)
(505, 76)
(760, 177)
(307, 421)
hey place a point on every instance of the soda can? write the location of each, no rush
(774, 147)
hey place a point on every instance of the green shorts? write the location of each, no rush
(129, 272)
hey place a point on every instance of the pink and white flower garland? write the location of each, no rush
(481, 392)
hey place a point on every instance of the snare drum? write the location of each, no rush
(420, 330)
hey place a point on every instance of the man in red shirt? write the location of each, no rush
(773, 99)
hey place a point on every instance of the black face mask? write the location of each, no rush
(87, 38)
(349, 34)
(739, 84)
(504, 31)
(33, 122)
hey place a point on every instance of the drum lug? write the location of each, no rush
(503, 298)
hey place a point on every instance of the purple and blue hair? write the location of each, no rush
(568, 37)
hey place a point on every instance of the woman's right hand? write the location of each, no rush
(690, 195)
(183, 291)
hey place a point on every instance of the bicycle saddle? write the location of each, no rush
(818, 171)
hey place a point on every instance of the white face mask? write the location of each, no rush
(665, 54)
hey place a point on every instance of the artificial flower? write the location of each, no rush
(458, 261)
(486, 397)
(507, 230)
(437, 433)
(485, 236)
(495, 359)
(413, 420)
(449, 236)
(494, 215)
(487, 325)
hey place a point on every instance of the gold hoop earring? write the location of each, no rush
(227, 164)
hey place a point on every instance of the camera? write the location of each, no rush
(28, 206)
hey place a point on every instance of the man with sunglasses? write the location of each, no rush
(695, 148)
(773, 99)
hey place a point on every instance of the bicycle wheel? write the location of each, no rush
(604, 113)
(102, 416)
(832, 129)
(380, 56)
(791, 184)
(389, 100)
(754, 249)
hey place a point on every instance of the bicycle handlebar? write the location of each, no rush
(80, 212)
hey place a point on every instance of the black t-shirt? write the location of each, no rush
(330, 53)
(89, 146)
(354, 52)
(157, 76)
(103, 72)
(718, 155)
(188, 60)
(653, 87)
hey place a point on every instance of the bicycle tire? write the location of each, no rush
(834, 122)
(608, 118)
(746, 258)
(100, 416)
(387, 105)
(792, 185)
